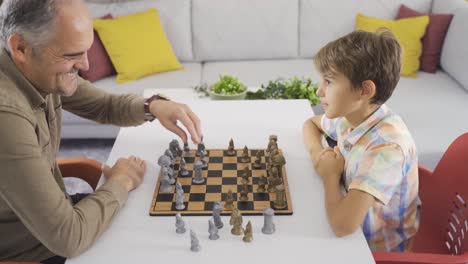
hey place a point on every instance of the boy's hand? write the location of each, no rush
(330, 165)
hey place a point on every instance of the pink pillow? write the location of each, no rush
(433, 39)
(100, 65)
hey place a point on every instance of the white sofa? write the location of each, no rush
(261, 40)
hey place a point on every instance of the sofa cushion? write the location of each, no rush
(434, 107)
(100, 65)
(454, 59)
(175, 18)
(324, 21)
(235, 30)
(433, 39)
(137, 45)
(254, 73)
(408, 31)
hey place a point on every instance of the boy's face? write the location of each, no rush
(338, 96)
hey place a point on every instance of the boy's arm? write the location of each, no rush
(313, 133)
(345, 213)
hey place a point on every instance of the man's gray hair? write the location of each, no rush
(33, 20)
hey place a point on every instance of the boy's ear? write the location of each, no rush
(368, 89)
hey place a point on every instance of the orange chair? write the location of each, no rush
(444, 215)
(83, 168)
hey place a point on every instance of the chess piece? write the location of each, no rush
(248, 233)
(180, 201)
(213, 230)
(272, 141)
(203, 160)
(186, 149)
(165, 186)
(174, 147)
(245, 155)
(183, 168)
(261, 184)
(231, 151)
(258, 160)
(217, 209)
(246, 175)
(165, 162)
(170, 155)
(229, 203)
(273, 180)
(179, 187)
(236, 222)
(280, 201)
(268, 225)
(201, 148)
(180, 225)
(243, 194)
(198, 178)
(278, 161)
(194, 242)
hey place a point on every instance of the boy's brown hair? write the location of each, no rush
(362, 56)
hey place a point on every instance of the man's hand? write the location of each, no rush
(169, 112)
(330, 164)
(128, 172)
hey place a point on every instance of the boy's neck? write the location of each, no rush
(358, 117)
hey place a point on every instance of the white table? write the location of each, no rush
(135, 237)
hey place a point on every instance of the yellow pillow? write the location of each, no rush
(137, 45)
(408, 31)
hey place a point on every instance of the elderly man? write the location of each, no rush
(45, 43)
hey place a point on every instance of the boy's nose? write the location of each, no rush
(320, 91)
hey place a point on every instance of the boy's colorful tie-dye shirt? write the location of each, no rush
(381, 160)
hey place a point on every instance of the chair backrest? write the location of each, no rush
(444, 196)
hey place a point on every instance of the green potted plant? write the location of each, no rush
(227, 88)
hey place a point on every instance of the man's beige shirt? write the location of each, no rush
(37, 218)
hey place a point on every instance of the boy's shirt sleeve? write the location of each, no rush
(329, 126)
(380, 172)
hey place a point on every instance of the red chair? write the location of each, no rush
(444, 215)
(83, 168)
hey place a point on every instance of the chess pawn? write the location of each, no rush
(203, 160)
(213, 230)
(198, 178)
(261, 184)
(183, 168)
(245, 155)
(248, 233)
(236, 222)
(201, 148)
(229, 203)
(186, 149)
(245, 175)
(180, 225)
(179, 188)
(244, 192)
(180, 201)
(258, 160)
(280, 201)
(268, 225)
(231, 151)
(194, 242)
(217, 209)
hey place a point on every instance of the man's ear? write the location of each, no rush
(368, 89)
(19, 48)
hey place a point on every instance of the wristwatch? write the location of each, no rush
(148, 115)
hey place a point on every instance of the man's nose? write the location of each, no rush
(83, 63)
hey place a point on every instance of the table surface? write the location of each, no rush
(136, 237)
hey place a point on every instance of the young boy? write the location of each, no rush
(375, 156)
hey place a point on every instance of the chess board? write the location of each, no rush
(223, 173)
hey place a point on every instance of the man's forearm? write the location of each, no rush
(312, 138)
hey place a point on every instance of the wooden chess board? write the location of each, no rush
(223, 173)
